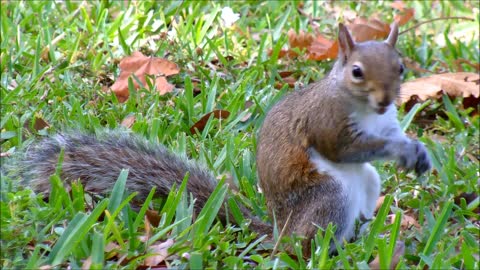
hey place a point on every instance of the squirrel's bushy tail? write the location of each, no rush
(98, 159)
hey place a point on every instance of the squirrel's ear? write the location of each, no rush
(392, 37)
(345, 42)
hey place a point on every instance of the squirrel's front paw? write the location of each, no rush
(415, 157)
(423, 163)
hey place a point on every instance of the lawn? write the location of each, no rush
(60, 58)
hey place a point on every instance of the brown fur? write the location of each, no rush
(318, 117)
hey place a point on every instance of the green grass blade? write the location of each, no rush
(452, 113)
(327, 239)
(117, 192)
(438, 229)
(376, 226)
(98, 251)
(143, 210)
(74, 233)
(173, 200)
(407, 120)
(209, 212)
(196, 260)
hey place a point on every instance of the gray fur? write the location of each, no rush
(98, 159)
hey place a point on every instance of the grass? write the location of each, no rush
(56, 57)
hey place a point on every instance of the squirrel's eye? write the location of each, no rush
(357, 72)
(402, 69)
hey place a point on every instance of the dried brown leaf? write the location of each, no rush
(38, 123)
(111, 246)
(397, 254)
(284, 74)
(143, 66)
(317, 46)
(323, 48)
(404, 16)
(159, 253)
(301, 40)
(364, 29)
(153, 216)
(379, 203)
(200, 124)
(460, 84)
(399, 5)
(128, 121)
(407, 221)
(87, 263)
(247, 116)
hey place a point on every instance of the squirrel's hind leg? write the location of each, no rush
(372, 186)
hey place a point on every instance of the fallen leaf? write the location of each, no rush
(364, 29)
(128, 121)
(200, 124)
(217, 64)
(468, 197)
(111, 246)
(318, 47)
(38, 123)
(286, 73)
(247, 116)
(407, 221)
(158, 253)
(301, 40)
(323, 48)
(460, 84)
(87, 263)
(404, 16)
(5, 154)
(397, 254)
(379, 203)
(148, 230)
(153, 217)
(290, 81)
(399, 5)
(143, 66)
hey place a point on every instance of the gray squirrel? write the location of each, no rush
(313, 149)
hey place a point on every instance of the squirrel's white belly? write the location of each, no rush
(360, 182)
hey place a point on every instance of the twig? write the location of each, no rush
(281, 235)
(436, 19)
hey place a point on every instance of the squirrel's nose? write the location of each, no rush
(385, 102)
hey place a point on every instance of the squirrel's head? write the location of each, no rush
(370, 71)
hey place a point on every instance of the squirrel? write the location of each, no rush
(315, 145)
(313, 150)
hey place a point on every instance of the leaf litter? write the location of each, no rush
(141, 66)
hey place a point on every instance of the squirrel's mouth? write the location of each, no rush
(381, 110)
